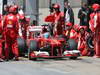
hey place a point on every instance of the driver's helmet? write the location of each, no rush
(96, 7)
(46, 35)
(56, 6)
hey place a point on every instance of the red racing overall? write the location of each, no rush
(95, 27)
(1, 38)
(82, 46)
(97, 34)
(58, 20)
(10, 35)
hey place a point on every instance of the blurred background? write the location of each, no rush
(38, 9)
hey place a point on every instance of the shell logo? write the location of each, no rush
(9, 22)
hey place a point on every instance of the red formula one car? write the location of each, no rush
(52, 47)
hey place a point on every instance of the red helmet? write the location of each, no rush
(95, 7)
(56, 6)
(12, 9)
(15, 6)
(68, 24)
(76, 26)
(83, 27)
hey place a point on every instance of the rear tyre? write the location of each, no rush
(22, 46)
(33, 46)
(90, 45)
(90, 42)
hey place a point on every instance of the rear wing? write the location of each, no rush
(35, 29)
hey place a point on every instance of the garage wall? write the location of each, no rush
(32, 9)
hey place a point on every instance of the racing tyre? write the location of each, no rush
(72, 44)
(22, 46)
(90, 42)
(33, 46)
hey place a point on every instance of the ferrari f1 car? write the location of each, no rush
(52, 47)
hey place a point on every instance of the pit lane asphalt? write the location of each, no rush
(81, 66)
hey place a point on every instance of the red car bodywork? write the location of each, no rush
(55, 43)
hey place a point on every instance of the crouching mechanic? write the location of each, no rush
(70, 31)
(10, 34)
(82, 46)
